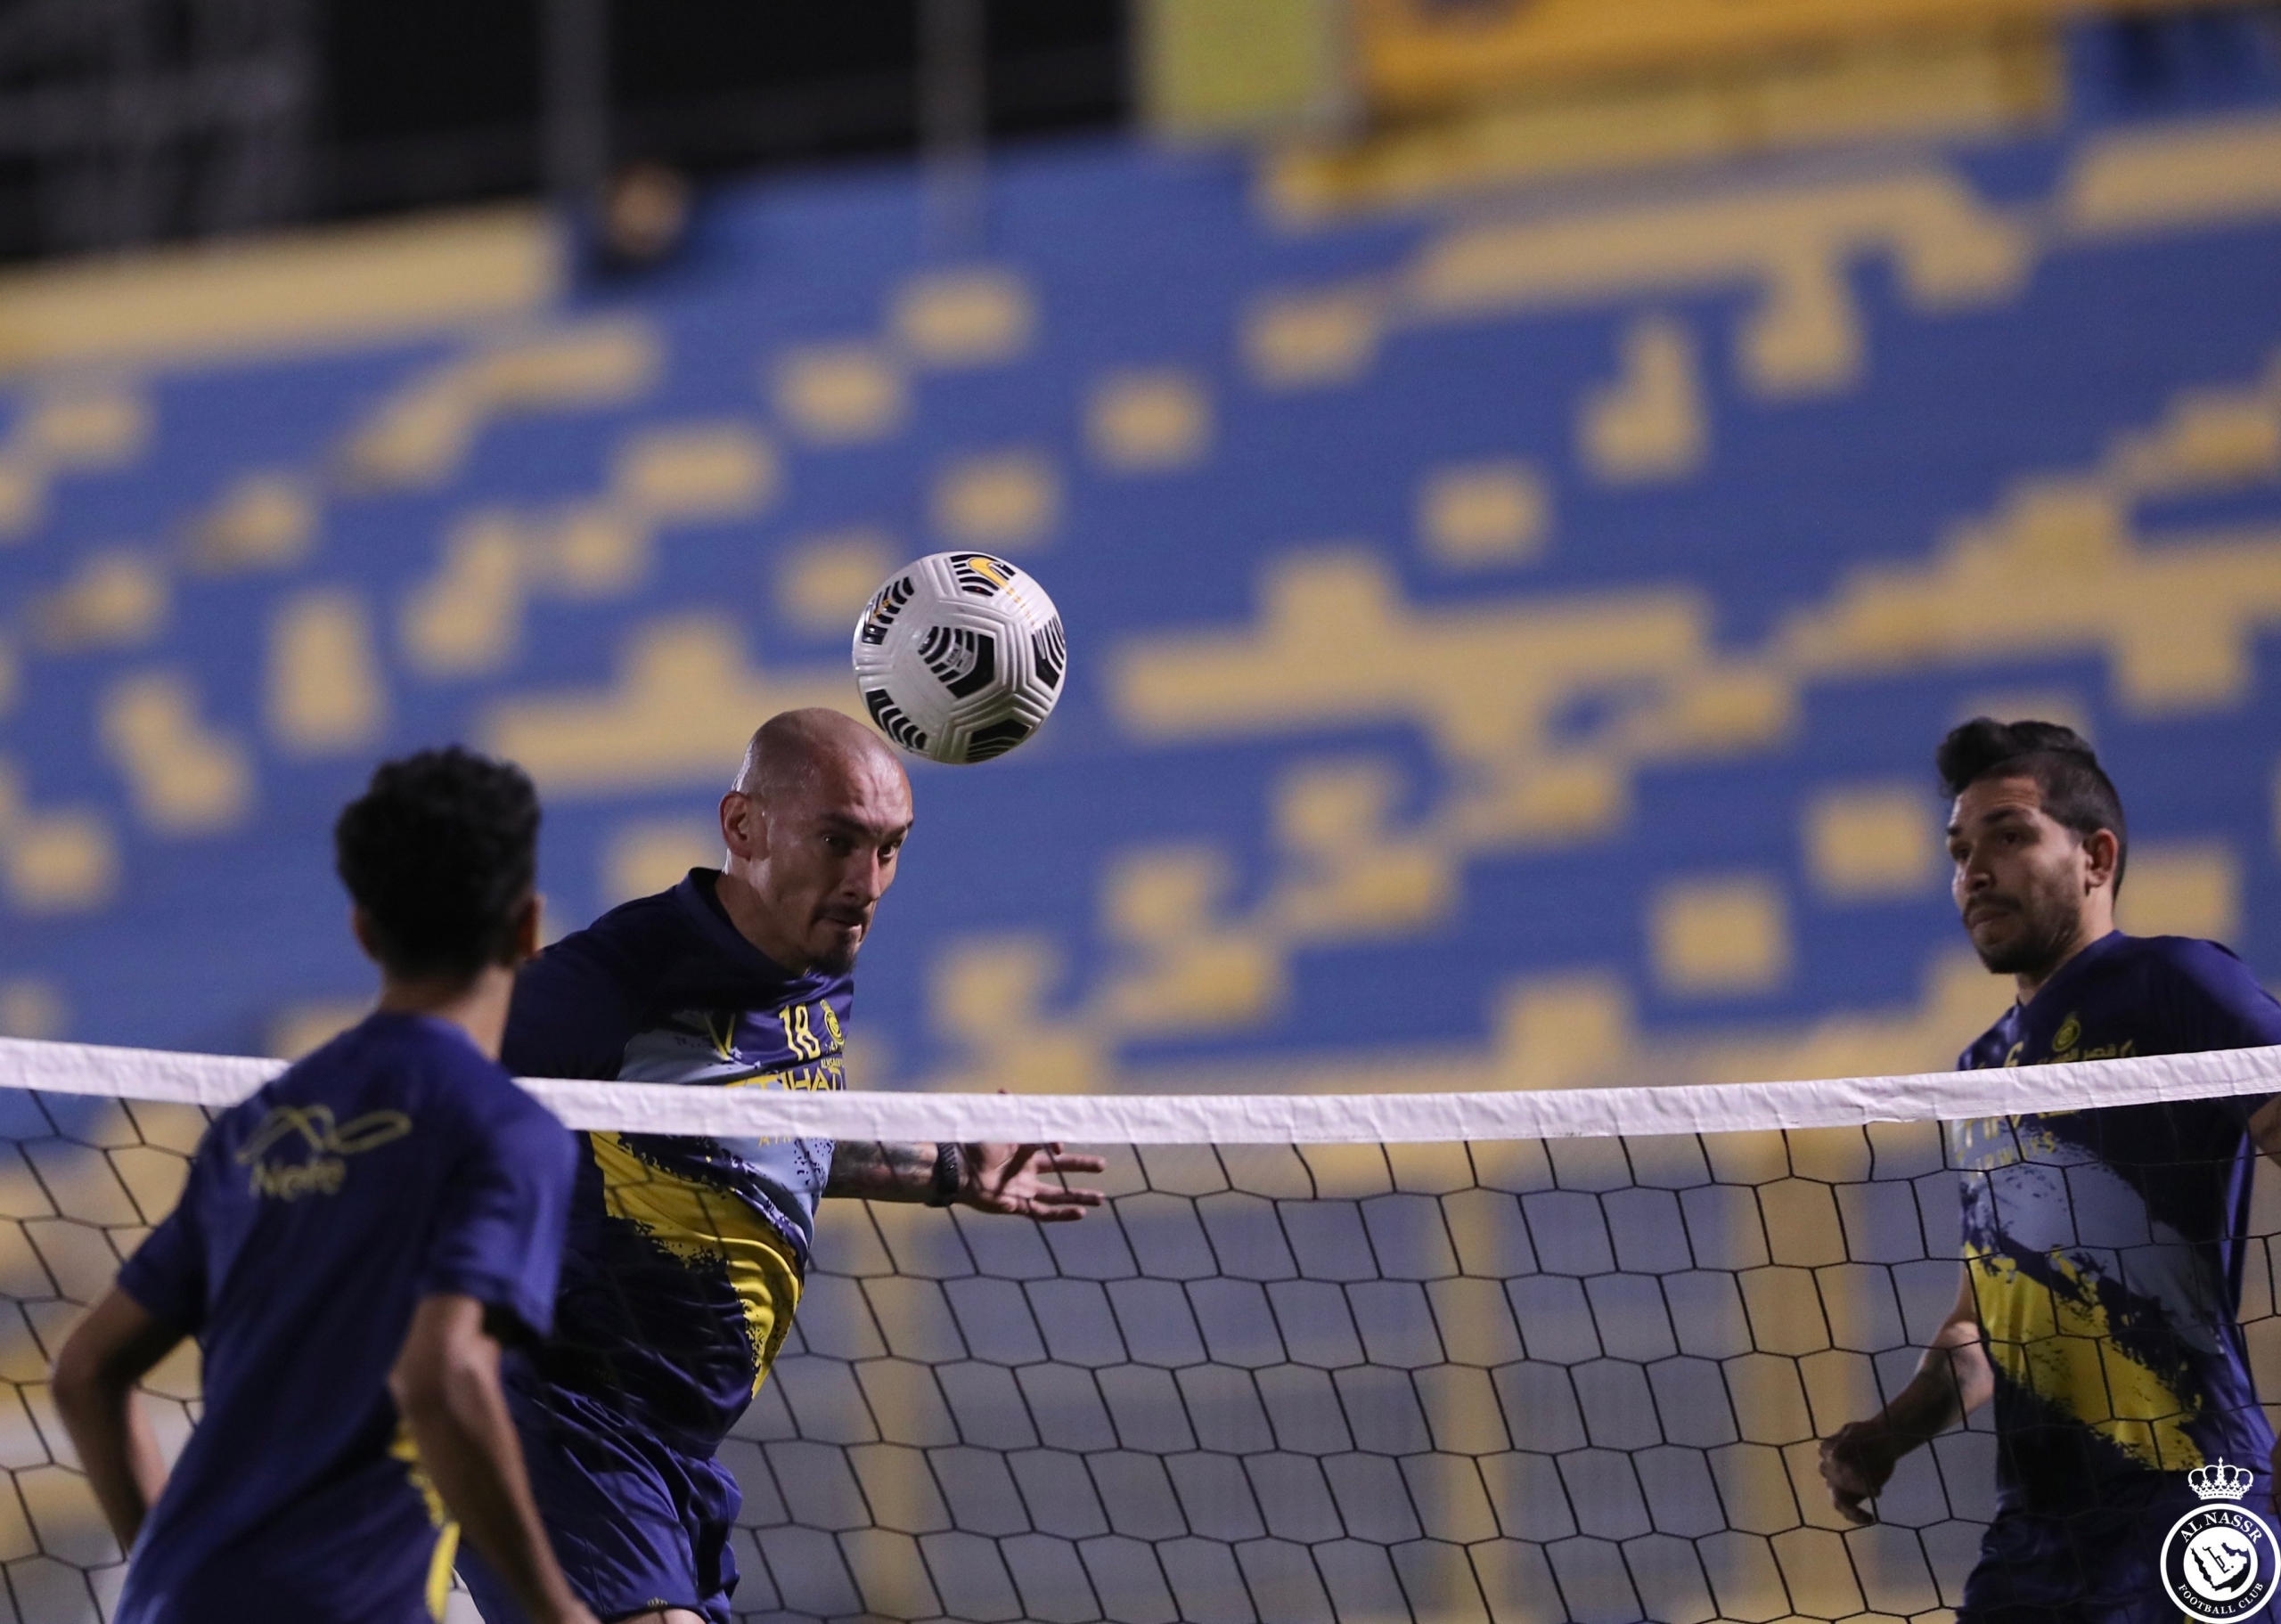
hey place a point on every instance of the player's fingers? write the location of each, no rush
(1077, 1164)
(1070, 1198)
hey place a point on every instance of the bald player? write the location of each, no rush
(684, 1256)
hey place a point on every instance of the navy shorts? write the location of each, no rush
(636, 1525)
(2101, 1566)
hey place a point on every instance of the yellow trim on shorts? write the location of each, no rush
(439, 1571)
(405, 1448)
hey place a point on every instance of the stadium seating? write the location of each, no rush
(1507, 642)
(1508, 639)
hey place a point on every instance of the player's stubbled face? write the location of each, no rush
(833, 850)
(2020, 877)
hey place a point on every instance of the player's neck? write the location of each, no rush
(478, 1008)
(740, 900)
(2097, 922)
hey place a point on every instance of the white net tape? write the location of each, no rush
(1558, 1355)
(1247, 1119)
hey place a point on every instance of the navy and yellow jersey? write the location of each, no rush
(685, 1255)
(2105, 1246)
(395, 1164)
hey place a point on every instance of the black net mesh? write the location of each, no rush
(81, 1182)
(1575, 1379)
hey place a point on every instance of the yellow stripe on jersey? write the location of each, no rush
(693, 1221)
(2055, 1342)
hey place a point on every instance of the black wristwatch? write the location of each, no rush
(950, 1176)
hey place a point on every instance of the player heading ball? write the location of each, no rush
(686, 1254)
(352, 1245)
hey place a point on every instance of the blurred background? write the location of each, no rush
(1528, 482)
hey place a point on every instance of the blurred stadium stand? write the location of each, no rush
(1520, 540)
(1508, 634)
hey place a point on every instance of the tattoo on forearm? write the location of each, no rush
(873, 1172)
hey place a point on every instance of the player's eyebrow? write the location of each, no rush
(2002, 814)
(856, 826)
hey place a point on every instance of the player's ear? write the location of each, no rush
(2101, 856)
(743, 829)
(528, 927)
(360, 925)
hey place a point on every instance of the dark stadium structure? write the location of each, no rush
(137, 121)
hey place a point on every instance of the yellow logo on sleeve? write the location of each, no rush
(327, 1143)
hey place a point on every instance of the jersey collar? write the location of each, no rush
(699, 900)
(2066, 975)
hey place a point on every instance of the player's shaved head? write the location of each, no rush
(793, 749)
(814, 825)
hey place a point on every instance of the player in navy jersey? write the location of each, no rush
(351, 1246)
(2103, 1247)
(685, 1256)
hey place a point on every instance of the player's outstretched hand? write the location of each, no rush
(1029, 1181)
(1856, 1463)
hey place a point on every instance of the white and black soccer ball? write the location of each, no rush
(959, 656)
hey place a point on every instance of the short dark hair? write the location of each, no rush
(441, 853)
(2077, 793)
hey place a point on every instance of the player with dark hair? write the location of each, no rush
(685, 1255)
(2102, 1248)
(352, 1246)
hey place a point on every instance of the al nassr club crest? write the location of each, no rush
(2218, 1561)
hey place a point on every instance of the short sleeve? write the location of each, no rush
(167, 1274)
(572, 1013)
(2216, 1003)
(498, 1237)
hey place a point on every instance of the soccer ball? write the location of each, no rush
(959, 656)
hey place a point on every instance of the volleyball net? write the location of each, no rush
(1497, 1357)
